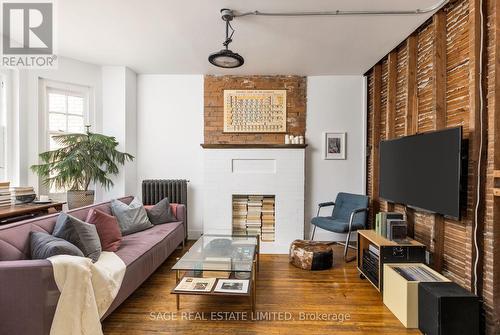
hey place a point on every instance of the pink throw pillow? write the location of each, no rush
(107, 229)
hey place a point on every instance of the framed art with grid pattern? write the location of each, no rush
(255, 111)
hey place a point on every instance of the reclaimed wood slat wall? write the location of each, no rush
(491, 263)
(439, 107)
(376, 111)
(457, 234)
(431, 81)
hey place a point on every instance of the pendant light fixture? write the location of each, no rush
(228, 59)
(225, 58)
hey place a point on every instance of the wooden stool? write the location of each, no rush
(311, 255)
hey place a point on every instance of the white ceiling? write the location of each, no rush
(175, 37)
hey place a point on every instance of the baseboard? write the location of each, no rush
(194, 234)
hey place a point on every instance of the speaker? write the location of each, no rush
(445, 308)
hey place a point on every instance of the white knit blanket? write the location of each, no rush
(87, 290)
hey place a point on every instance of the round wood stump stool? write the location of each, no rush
(311, 255)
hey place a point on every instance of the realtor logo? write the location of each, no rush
(28, 34)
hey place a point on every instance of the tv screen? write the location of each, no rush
(423, 171)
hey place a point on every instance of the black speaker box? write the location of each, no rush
(445, 308)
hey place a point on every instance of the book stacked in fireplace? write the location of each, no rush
(268, 219)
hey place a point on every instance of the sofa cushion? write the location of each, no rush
(15, 237)
(160, 213)
(44, 246)
(132, 218)
(107, 229)
(135, 245)
(142, 259)
(83, 235)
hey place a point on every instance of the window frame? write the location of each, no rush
(50, 86)
(66, 93)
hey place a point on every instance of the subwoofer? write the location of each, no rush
(445, 308)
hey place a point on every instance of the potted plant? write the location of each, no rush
(82, 160)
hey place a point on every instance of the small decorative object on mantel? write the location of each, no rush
(335, 146)
(290, 139)
(254, 111)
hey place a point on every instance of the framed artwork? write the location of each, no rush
(255, 111)
(335, 146)
(232, 286)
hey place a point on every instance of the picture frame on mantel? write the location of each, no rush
(334, 146)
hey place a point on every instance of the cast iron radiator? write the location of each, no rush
(154, 190)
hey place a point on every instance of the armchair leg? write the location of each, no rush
(312, 236)
(346, 248)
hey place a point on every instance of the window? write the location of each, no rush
(66, 112)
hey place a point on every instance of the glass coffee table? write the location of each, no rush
(232, 260)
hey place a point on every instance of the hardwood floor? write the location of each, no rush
(286, 293)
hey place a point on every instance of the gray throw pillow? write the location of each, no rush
(131, 218)
(161, 213)
(83, 235)
(44, 246)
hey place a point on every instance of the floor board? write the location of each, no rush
(285, 296)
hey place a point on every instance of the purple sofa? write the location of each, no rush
(28, 292)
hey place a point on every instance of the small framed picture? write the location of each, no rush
(232, 286)
(335, 146)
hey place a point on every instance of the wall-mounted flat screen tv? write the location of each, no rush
(423, 171)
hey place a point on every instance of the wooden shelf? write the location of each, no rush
(496, 173)
(381, 241)
(253, 146)
(496, 192)
(370, 237)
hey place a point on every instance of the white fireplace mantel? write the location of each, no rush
(259, 171)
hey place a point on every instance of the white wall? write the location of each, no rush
(26, 119)
(169, 133)
(170, 130)
(334, 104)
(119, 119)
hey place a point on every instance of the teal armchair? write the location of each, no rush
(349, 214)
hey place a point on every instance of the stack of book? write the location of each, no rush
(254, 220)
(240, 212)
(25, 190)
(268, 219)
(5, 196)
(383, 221)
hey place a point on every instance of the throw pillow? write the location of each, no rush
(107, 229)
(132, 218)
(83, 235)
(44, 246)
(161, 213)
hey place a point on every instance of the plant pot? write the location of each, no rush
(78, 199)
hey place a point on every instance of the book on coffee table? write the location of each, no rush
(192, 284)
(232, 286)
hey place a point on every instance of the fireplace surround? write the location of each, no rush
(279, 172)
